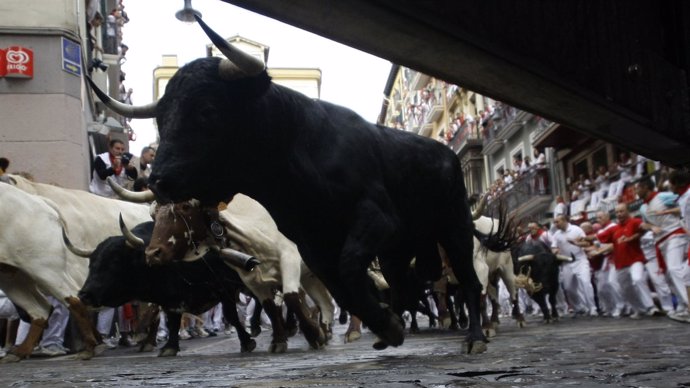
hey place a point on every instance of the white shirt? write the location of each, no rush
(561, 209)
(561, 240)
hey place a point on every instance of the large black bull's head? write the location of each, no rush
(209, 108)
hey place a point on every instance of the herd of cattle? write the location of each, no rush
(302, 197)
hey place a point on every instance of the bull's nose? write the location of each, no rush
(153, 256)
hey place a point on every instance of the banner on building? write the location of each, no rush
(3, 62)
(19, 62)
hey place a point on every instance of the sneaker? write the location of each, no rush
(202, 332)
(110, 342)
(50, 350)
(655, 312)
(3, 353)
(230, 330)
(184, 335)
(593, 312)
(635, 315)
(681, 316)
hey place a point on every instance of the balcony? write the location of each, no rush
(526, 198)
(467, 137)
(419, 80)
(490, 140)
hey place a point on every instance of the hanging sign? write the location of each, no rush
(19, 62)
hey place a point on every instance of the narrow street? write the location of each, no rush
(588, 352)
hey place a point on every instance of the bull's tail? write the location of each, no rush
(505, 237)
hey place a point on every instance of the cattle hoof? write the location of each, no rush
(255, 331)
(352, 336)
(489, 332)
(521, 323)
(280, 347)
(84, 355)
(10, 358)
(248, 347)
(454, 327)
(145, 348)
(464, 323)
(476, 347)
(291, 331)
(167, 352)
(414, 329)
(394, 333)
(379, 344)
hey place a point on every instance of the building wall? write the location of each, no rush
(43, 124)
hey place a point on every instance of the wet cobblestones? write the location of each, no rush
(590, 352)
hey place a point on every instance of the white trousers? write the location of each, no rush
(633, 282)
(608, 288)
(675, 251)
(577, 284)
(663, 291)
(54, 334)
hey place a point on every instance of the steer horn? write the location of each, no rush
(132, 240)
(237, 258)
(564, 258)
(244, 62)
(131, 196)
(77, 251)
(525, 258)
(480, 208)
(137, 112)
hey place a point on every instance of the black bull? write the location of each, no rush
(535, 263)
(118, 274)
(344, 190)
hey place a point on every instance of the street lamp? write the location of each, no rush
(186, 14)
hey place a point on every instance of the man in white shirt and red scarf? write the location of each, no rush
(671, 241)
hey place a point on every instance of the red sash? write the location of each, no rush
(659, 256)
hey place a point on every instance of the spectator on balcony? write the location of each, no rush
(111, 28)
(625, 167)
(561, 207)
(601, 186)
(584, 186)
(539, 158)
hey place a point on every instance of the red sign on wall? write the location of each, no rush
(3, 62)
(20, 62)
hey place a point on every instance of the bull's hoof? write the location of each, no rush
(248, 347)
(394, 333)
(319, 342)
(84, 355)
(167, 352)
(379, 345)
(489, 332)
(476, 347)
(494, 325)
(414, 329)
(255, 331)
(10, 358)
(146, 348)
(342, 318)
(521, 323)
(278, 347)
(291, 331)
(547, 321)
(352, 336)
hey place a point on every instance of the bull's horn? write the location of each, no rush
(564, 258)
(480, 208)
(246, 63)
(132, 240)
(525, 258)
(77, 251)
(137, 112)
(239, 259)
(131, 196)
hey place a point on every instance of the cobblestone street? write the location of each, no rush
(589, 352)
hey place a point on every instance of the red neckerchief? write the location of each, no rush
(680, 193)
(112, 162)
(650, 197)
